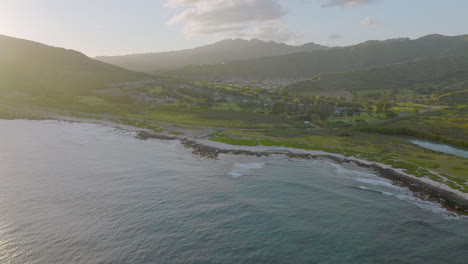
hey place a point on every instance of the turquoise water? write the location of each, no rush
(441, 148)
(83, 193)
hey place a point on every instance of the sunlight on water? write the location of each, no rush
(81, 193)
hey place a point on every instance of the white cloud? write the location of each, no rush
(346, 3)
(227, 18)
(369, 22)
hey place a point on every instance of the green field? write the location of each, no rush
(449, 125)
(173, 113)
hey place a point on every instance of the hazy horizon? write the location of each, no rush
(129, 27)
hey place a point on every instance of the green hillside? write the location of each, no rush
(426, 76)
(454, 98)
(308, 64)
(31, 67)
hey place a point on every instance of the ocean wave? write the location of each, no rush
(240, 169)
(425, 205)
(430, 206)
(379, 182)
(126, 132)
(377, 191)
(342, 170)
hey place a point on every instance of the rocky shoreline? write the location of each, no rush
(423, 188)
(419, 187)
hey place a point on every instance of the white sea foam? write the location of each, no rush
(430, 206)
(425, 205)
(408, 197)
(382, 192)
(379, 182)
(343, 170)
(240, 169)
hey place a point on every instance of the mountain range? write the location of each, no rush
(27, 66)
(309, 64)
(218, 53)
(430, 62)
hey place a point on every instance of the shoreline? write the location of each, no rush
(423, 188)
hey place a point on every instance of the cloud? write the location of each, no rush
(369, 22)
(347, 3)
(334, 36)
(226, 18)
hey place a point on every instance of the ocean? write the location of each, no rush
(86, 193)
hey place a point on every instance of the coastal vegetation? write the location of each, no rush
(367, 114)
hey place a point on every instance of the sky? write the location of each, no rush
(115, 27)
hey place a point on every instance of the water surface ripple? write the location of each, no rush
(84, 193)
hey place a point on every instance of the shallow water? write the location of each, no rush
(83, 193)
(441, 148)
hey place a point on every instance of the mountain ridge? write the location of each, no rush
(35, 67)
(222, 51)
(360, 56)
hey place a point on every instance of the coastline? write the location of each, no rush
(423, 188)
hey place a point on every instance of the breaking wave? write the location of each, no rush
(241, 169)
